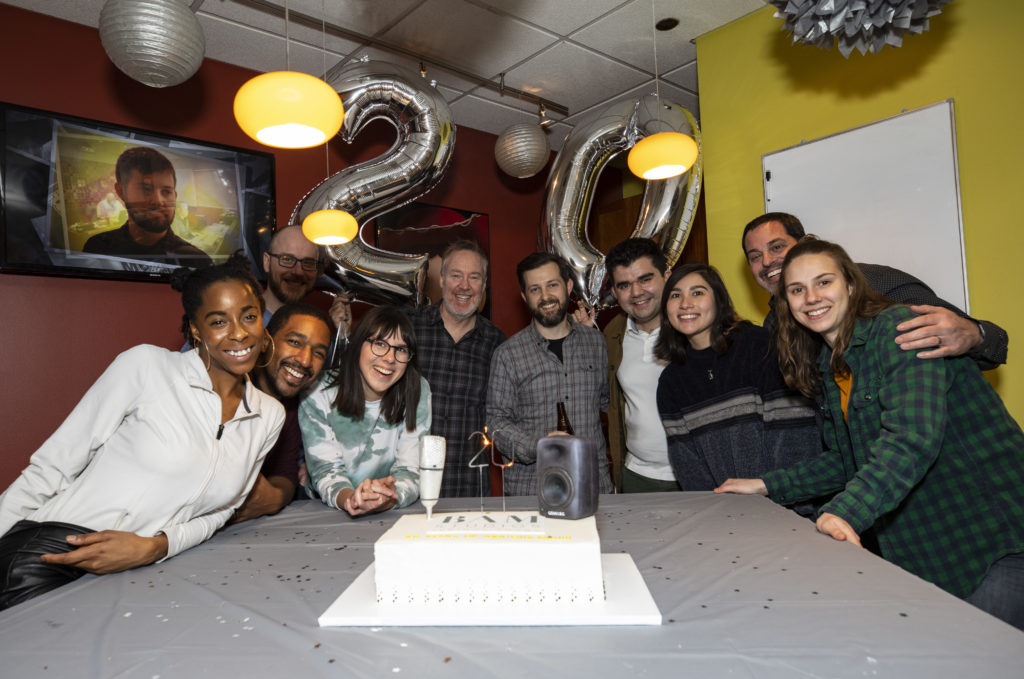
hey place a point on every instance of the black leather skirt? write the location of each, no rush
(23, 575)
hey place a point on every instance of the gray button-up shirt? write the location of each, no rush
(527, 381)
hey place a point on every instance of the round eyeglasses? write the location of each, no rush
(381, 348)
(289, 261)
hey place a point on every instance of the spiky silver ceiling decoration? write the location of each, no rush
(864, 25)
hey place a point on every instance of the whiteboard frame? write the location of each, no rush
(816, 220)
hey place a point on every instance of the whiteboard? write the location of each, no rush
(888, 192)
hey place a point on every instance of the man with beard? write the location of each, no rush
(293, 263)
(553, 360)
(289, 366)
(147, 185)
(455, 348)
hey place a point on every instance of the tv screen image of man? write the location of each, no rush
(147, 185)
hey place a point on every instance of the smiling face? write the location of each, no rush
(228, 328)
(290, 285)
(818, 295)
(638, 287)
(462, 284)
(766, 247)
(300, 349)
(149, 199)
(690, 309)
(546, 294)
(380, 373)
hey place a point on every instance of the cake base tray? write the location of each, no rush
(627, 602)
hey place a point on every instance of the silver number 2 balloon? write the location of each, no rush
(668, 206)
(412, 166)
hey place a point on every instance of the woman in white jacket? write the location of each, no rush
(156, 455)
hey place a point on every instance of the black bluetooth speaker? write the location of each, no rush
(567, 485)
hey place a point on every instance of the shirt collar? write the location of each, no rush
(631, 328)
(196, 376)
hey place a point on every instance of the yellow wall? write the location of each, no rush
(759, 93)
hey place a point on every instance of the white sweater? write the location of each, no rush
(141, 453)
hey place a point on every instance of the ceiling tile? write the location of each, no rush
(479, 40)
(685, 76)
(562, 17)
(573, 76)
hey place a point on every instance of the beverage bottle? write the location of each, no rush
(563, 420)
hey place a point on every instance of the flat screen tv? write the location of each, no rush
(57, 178)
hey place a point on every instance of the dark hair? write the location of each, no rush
(800, 347)
(535, 261)
(463, 245)
(789, 222)
(285, 313)
(672, 344)
(192, 283)
(144, 159)
(402, 399)
(632, 249)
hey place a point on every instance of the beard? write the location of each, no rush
(289, 297)
(551, 318)
(151, 221)
(282, 390)
(460, 315)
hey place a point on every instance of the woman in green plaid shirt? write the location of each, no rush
(921, 452)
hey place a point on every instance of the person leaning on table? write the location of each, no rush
(921, 452)
(157, 454)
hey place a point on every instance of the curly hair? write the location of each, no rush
(798, 346)
(192, 283)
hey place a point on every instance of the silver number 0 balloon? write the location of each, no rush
(668, 206)
(411, 167)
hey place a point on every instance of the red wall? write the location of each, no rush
(60, 333)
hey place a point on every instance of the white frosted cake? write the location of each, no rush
(509, 558)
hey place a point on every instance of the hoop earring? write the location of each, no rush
(209, 359)
(270, 356)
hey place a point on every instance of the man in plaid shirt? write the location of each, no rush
(455, 348)
(552, 360)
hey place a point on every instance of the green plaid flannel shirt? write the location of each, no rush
(930, 458)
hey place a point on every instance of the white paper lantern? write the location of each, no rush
(157, 42)
(522, 150)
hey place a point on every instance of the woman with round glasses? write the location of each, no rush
(362, 425)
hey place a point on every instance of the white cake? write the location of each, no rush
(509, 558)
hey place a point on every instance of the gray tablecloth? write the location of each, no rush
(745, 588)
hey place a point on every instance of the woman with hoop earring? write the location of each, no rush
(157, 454)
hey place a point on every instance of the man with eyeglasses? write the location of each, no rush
(293, 264)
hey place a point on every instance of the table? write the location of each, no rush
(745, 588)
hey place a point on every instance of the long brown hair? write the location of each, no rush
(798, 346)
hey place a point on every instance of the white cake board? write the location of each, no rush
(627, 602)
